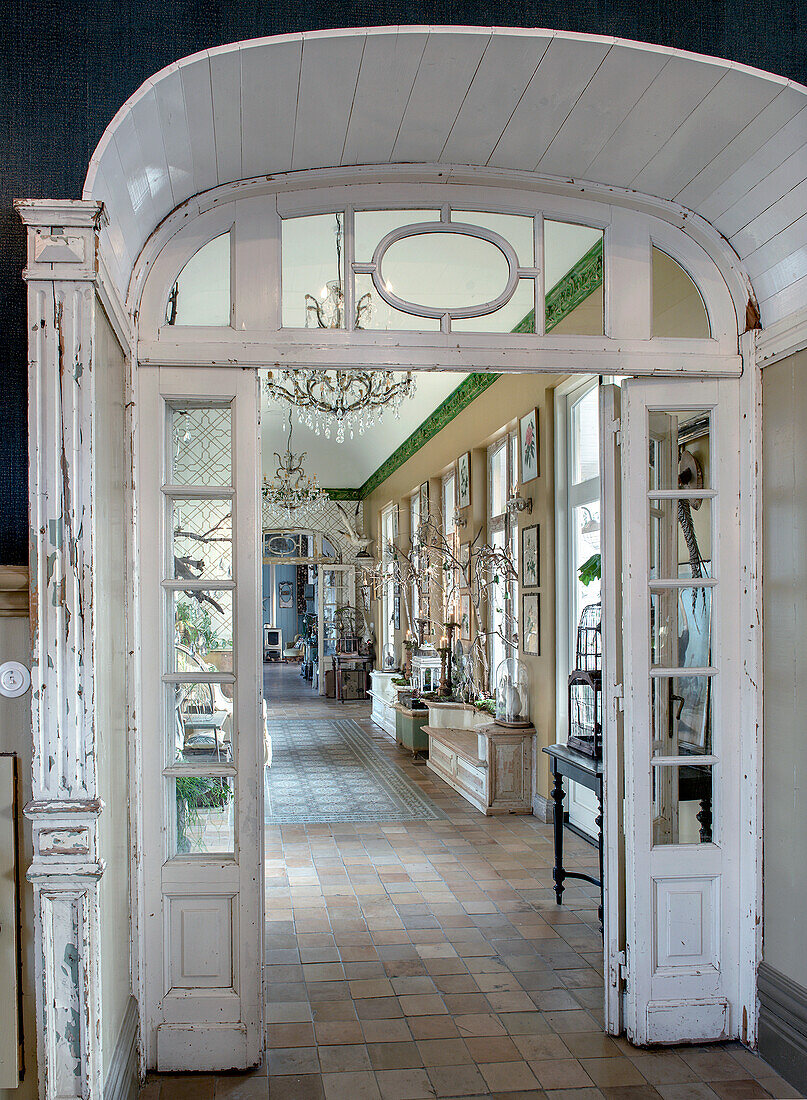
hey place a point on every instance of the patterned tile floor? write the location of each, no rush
(429, 959)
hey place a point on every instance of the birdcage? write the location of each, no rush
(585, 713)
(588, 654)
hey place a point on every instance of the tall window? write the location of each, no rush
(450, 570)
(414, 529)
(389, 532)
(502, 597)
(583, 509)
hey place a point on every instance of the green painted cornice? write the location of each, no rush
(467, 391)
(566, 295)
(343, 494)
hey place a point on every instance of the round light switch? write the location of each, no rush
(15, 679)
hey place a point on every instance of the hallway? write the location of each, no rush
(429, 959)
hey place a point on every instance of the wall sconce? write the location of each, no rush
(460, 520)
(519, 504)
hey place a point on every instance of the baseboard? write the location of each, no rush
(543, 808)
(123, 1076)
(783, 1025)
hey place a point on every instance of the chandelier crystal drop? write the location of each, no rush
(341, 400)
(291, 488)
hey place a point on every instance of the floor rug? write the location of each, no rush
(329, 770)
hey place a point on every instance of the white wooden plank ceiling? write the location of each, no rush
(723, 140)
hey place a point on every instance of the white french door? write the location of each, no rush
(682, 687)
(336, 591)
(198, 550)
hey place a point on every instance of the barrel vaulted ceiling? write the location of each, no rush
(723, 140)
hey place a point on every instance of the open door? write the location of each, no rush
(682, 686)
(612, 705)
(200, 721)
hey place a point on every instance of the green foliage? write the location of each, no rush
(590, 570)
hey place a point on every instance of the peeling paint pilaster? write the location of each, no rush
(62, 276)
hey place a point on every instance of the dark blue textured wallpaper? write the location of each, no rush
(67, 67)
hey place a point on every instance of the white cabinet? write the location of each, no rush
(384, 695)
(488, 764)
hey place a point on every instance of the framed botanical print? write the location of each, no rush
(530, 560)
(528, 445)
(465, 617)
(531, 624)
(424, 502)
(464, 480)
(396, 611)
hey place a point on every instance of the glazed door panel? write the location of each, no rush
(199, 543)
(682, 685)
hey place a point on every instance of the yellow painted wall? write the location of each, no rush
(490, 416)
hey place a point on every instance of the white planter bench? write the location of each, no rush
(489, 765)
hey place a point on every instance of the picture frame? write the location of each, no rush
(530, 557)
(285, 595)
(424, 502)
(528, 445)
(465, 617)
(464, 480)
(531, 624)
(396, 611)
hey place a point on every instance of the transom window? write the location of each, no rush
(436, 263)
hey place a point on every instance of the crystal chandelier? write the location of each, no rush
(353, 399)
(291, 488)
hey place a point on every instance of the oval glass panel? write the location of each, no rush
(444, 270)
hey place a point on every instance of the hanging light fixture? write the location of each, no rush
(341, 400)
(291, 488)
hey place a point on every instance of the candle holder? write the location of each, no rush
(442, 648)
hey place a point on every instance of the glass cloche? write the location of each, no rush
(388, 658)
(512, 693)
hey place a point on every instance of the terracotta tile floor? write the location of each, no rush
(429, 959)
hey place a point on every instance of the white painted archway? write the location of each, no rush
(711, 149)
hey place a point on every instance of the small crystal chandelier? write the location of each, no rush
(291, 487)
(353, 399)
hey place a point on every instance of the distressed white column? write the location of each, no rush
(62, 274)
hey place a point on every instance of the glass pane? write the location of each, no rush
(498, 480)
(682, 804)
(372, 312)
(680, 538)
(201, 294)
(517, 229)
(680, 628)
(200, 723)
(369, 226)
(445, 270)
(203, 630)
(205, 815)
(573, 279)
(518, 315)
(682, 715)
(312, 271)
(448, 505)
(201, 446)
(679, 453)
(202, 532)
(678, 308)
(585, 437)
(585, 547)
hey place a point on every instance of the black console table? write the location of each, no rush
(588, 772)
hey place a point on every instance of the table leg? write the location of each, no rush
(558, 874)
(598, 822)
